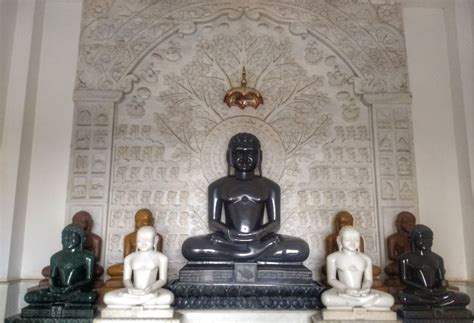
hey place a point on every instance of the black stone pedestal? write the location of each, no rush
(435, 314)
(19, 319)
(246, 285)
(56, 313)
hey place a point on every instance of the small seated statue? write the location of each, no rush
(349, 272)
(72, 273)
(342, 219)
(143, 217)
(397, 245)
(93, 243)
(245, 197)
(142, 288)
(422, 271)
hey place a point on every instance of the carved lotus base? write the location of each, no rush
(235, 296)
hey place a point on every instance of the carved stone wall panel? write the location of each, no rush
(394, 159)
(320, 65)
(173, 128)
(116, 35)
(91, 150)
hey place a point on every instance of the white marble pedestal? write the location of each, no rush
(356, 314)
(246, 316)
(155, 314)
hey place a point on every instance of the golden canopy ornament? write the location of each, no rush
(243, 96)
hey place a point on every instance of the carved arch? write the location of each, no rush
(372, 48)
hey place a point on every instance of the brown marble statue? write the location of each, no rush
(397, 245)
(341, 220)
(92, 243)
(143, 218)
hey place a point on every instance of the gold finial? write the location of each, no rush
(243, 96)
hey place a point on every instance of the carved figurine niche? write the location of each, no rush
(143, 218)
(92, 243)
(341, 220)
(397, 245)
(243, 96)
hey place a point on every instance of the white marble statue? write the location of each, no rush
(144, 293)
(349, 272)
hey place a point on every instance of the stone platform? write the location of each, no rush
(152, 311)
(435, 315)
(246, 316)
(58, 311)
(246, 286)
(356, 314)
(19, 319)
(176, 318)
(317, 318)
(37, 313)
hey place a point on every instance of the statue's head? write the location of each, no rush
(348, 239)
(421, 238)
(343, 219)
(143, 217)
(84, 219)
(405, 222)
(73, 236)
(147, 239)
(244, 153)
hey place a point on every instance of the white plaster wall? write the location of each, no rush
(7, 28)
(14, 108)
(36, 139)
(462, 56)
(8, 10)
(46, 203)
(434, 135)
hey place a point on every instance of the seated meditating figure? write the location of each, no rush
(93, 243)
(141, 269)
(72, 273)
(349, 272)
(397, 245)
(143, 217)
(245, 197)
(422, 271)
(341, 220)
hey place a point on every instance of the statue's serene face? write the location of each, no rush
(244, 158)
(344, 221)
(407, 224)
(70, 239)
(424, 241)
(145, 239)
(143, 220)
(83, 221)
(350, 240)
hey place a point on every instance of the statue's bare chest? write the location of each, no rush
(351, 264)
(244, 191)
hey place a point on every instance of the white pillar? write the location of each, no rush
(20, 79)
(441, 173)
(34, 159)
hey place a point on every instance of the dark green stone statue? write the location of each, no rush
(72, 273)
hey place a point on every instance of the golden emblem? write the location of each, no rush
(243, 96)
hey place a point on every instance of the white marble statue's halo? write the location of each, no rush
(213, 153)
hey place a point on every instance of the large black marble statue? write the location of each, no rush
(244, 197)
(422, 271)
(244, 257)
(72, 273)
